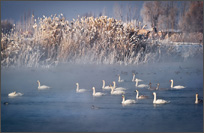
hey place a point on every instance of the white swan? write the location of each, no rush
(128, 101)
(176, 87)
(133, 78)
(141, 96)
(105, 87)
(159, 101)
(118, 88)
(14, 94)
(198, 100)
(116, 92)
(141, 85)
(120, 80)
(42, 87)
(97, 93)
(79, 90)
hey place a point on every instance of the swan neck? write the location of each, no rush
(77, 87)
(119, 78)
(157, 87)
(196, 99)
(123, 99)
(136, 84)
(103, 84)
(113, 84)
(155, 97)
(94, 91)
(137, 95)
(112, 89)
(38, 83)
(172, 83)
(133, 78)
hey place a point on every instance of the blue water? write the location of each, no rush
(61, 109)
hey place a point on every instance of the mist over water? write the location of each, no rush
(61, 109)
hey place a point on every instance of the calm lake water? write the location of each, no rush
(61, 109)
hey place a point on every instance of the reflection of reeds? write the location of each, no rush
(99, 40)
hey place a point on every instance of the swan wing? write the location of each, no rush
(13, 94)
(107, 87)
(120, 88)
(129, 101)
(43, 87)
(81, 90)
(142, 85)
(117, 92)
(178, 87)
(99, 94)
(161, 101)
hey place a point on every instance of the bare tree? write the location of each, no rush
(151, 12)
(192, 21)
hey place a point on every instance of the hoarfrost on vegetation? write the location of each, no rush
(100, 40)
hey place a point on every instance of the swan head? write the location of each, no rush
(154, 93)
(158, 84)
(196, 94)
(123, 96)
(133, 74)
(150, 83)
(38, 81)
(136, 91)
(103, 80)
(93, 88)
(171, 80)
(77, 83)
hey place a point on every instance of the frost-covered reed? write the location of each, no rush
(99, 40)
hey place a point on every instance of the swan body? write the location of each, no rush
(159, 101)
(118, 88)
(197, 101)
(141, 85)
(176, 87)
(42, 87)
(79, 90)
(141, 96)
(105, 87)
(120, 80)
(128, 101)
(14, 94)
(116, 92)
(97, 93)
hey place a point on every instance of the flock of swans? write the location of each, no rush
(121, 91)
